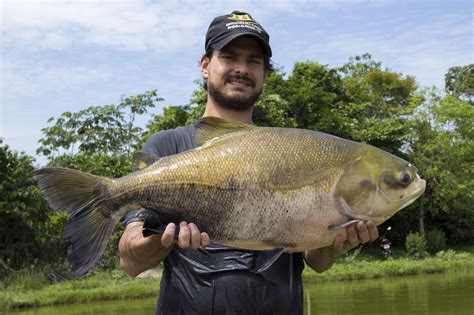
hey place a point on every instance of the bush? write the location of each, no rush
(452, 255)
(435, 241)
(415, 245)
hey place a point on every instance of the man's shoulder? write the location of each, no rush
(171, 141)
(164, 135)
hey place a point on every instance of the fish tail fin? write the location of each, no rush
(91, 222)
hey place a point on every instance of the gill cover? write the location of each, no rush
(357, 189)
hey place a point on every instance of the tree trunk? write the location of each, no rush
(421, 221)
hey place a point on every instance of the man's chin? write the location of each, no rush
(233, 98)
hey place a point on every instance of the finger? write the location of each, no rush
(184, 235)
(362, 232)
(195, 236)
(373, 232)
(167, 239)
(205, 240)
(352, 237)
(338, 243)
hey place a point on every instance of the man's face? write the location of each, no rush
(235, 74)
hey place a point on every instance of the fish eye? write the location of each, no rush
(405, 178)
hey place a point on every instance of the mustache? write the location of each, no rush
(242, 78)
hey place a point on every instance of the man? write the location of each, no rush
(201, 277)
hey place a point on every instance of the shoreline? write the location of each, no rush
(115, 285)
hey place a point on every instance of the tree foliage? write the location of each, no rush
(29, 233)
(107, 130)
(443, 148)
(459, 82)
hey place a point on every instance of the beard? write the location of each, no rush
(237, 103)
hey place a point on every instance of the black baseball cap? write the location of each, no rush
(227, 27)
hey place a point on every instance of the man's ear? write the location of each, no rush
(204, 66)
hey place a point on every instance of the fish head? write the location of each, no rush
(376, 185)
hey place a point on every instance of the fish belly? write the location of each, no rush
(252, 218)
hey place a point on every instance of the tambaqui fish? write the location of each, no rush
(250, 187)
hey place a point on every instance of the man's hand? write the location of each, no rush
(322, 259)
(361, 233)
(138, 253)
(189, 236)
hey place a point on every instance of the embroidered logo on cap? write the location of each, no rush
(242, 17)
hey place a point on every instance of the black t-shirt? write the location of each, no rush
(219, 279)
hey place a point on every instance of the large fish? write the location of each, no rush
(250, 187)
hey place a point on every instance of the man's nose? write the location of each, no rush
(241, 67)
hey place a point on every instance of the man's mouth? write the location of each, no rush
(240, 81)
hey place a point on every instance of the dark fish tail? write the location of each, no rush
(83, 197)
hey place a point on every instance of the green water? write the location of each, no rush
(451, 293)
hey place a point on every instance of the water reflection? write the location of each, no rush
(433, 294)
(120, 307)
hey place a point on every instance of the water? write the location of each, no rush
(451, 293)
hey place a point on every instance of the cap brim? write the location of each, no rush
(221, 44)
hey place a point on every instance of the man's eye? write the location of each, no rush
(256, 61)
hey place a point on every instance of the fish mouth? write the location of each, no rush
(419, 190)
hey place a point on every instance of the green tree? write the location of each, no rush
(376, 104)
(459, 82)
(107, 130)
(28, 235)
(442, 147)
(309, 96)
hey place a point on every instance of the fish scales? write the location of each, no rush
(250, 186)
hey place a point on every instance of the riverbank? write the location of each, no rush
(353, 268)
(34, 291)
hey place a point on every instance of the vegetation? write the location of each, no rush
(360, 100)
(366, 268)
(32, 289)
(416, 245)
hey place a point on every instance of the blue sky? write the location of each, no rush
(66, 55)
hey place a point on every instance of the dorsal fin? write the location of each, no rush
(142, 160)
(211, 127)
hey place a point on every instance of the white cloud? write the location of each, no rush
(125, 25)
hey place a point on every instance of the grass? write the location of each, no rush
(367, 268)
(30, 288)
(98, 287)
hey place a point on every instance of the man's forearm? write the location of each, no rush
(321, 259)
(138, 253)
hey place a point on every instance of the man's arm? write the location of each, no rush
(139, 253)
(321, 259)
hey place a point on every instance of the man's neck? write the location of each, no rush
(217, 111)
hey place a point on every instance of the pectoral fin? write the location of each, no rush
(342, 225)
